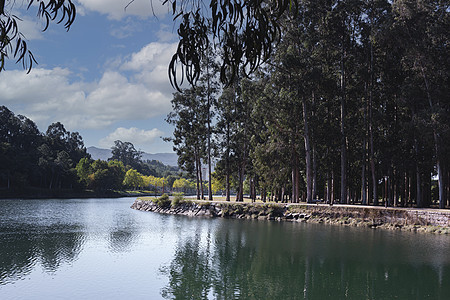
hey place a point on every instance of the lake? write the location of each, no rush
(102, 249)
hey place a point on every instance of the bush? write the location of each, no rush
(162, 201)
(177, 199)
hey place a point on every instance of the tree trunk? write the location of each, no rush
(197, 180)
(240, 194)
(363, 180)
(372, 156)
(263, 195)
(363, 160)
(201, 178)
(343, 133)
(405, 191)
(437, 144)
(314, 163)
(227, 178)
(228, 163)
(209, 135)
(328, 197)
(307, 140)
(440, 175)
(332, 187)
(418, 188)
(295, 175)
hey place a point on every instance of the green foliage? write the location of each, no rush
(162, 201)
(245, 31)
(158, 169)
(84, 169)
(12, 41)
(126, 153)
(218, 183)
(178, 198)
(29, 158)
(133, 179)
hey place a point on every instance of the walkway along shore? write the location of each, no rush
(410, 219)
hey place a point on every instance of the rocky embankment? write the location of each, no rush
(420, 220)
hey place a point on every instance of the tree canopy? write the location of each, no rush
(244, 32)
(352, 106)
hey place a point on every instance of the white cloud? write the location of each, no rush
(31, 29)
(119, 9)
(165, 34)
(125, 29)
(135, 88)
(49, 95)
(150, 65)
(150, 56)
(137, 137)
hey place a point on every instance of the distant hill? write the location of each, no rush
(169, 159)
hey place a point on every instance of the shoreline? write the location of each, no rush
(405, 219)
(32, 193)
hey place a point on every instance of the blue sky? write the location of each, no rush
(105, 78)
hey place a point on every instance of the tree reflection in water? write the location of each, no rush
(50, 246)
(255, 260)
(122, 234)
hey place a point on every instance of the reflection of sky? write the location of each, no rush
(87, 249)
(101, 248)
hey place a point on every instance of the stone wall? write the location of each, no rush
(350, 215)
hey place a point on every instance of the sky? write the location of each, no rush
(105, 78)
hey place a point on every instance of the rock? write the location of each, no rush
(289, 216)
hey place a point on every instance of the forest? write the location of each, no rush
(57, 161)
(352, 107)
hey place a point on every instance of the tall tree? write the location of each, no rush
(126, 153)
(189, 116)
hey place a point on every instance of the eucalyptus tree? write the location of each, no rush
(209, 87)
(225, 119)
(126, 153)
(424, 34)
(190, 116)
(234, 130)
(244, 31)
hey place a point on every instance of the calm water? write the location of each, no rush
(102, 249)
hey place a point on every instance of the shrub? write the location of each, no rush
(177, 199)
(162, 201)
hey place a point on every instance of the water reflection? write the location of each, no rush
(49, 234)
(51, 246)
(250, 260)
(123, 233)
(100, 248)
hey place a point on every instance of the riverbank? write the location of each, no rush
(409, 219)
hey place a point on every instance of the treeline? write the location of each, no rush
(29, 158)
(58, 160)
(115, 175)
(353, 107)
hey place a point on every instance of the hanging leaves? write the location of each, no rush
(244, 31)
(12, 41)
